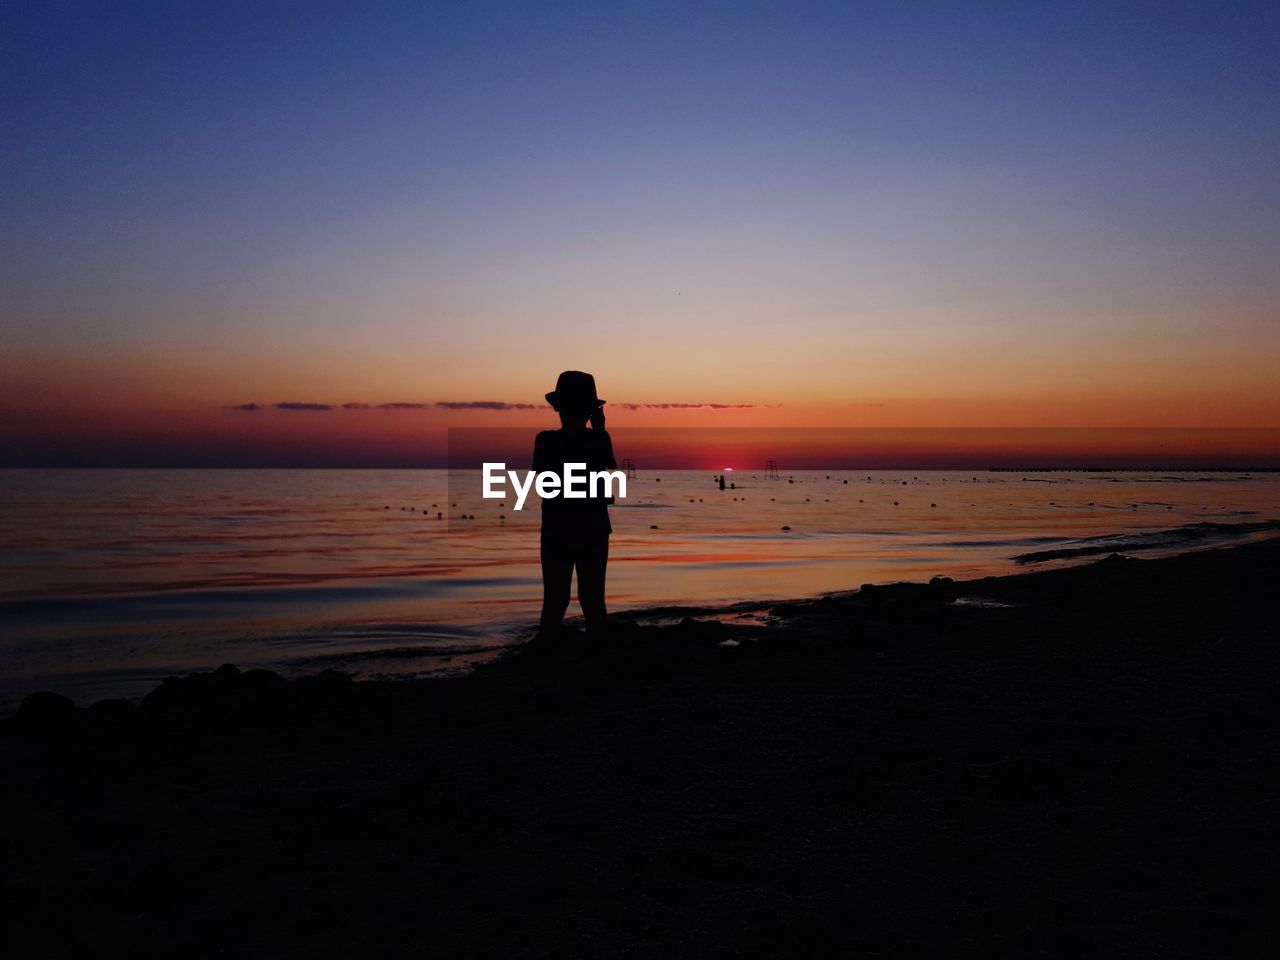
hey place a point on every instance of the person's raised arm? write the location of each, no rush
(604, 444)
(606, 452)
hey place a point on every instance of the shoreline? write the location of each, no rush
(1162, 543)
(1061, 761)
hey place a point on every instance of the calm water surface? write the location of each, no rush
(113, 579)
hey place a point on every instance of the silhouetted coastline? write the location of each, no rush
(1072, 762)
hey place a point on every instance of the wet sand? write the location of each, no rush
(1061, 763)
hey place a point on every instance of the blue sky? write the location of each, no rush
(200, 198)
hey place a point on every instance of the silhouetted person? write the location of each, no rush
(575, 533)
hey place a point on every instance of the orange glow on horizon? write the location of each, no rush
(407, 437)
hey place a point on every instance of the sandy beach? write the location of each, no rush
(1063, 763)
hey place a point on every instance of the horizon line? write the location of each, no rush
(1149, 468)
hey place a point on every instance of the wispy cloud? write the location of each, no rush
(692, 406)
(487, 405)
(500, 405)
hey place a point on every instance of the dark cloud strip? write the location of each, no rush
(487, 405)
(491, 405)
(692, 406)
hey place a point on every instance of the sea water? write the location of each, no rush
(112, 579)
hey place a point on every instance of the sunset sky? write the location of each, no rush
(233, 233)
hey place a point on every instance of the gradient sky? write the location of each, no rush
(813, 214)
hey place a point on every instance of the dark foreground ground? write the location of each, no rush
(1087, 773)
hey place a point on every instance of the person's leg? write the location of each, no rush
(592, 558)
(557, 576)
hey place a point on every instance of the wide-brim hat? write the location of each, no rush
(574, 390)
